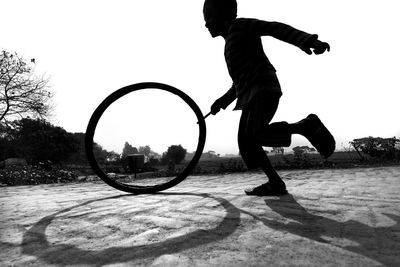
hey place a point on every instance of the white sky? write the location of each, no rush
(92, 48)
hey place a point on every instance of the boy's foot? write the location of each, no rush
(266, 190)
(319, 136)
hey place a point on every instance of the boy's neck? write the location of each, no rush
(227, 25)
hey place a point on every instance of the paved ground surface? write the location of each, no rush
(331, 217)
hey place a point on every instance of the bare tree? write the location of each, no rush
(21, 93)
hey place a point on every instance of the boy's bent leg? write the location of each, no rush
(277, 134)
(257, 122)
(315, 131)
(320, 137)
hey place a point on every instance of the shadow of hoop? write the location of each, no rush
(36, 244)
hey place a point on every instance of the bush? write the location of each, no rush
(33, 175)
(377, 147)
(233, 165)
(175, 153)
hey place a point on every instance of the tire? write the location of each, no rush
(142, 189)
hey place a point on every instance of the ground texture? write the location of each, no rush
(331, 217)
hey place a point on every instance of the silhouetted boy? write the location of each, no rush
(257, 90)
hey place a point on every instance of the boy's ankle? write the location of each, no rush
(277, 183)
(302, 127)
(299, 127)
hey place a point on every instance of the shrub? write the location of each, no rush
(233, 165)
(33, 175)
(378, 147)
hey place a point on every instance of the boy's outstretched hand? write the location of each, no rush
(216, 107)
(318, 48)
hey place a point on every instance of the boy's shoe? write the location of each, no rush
(319, 136)
(266, 190)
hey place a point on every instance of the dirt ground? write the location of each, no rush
(331, 217)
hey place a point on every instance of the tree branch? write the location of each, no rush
(21, 93)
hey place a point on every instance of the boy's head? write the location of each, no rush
(217, 13)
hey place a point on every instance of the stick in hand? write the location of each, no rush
(208, 114)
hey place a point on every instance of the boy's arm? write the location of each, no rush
(228, 97)
(288, 34)
(224, 101)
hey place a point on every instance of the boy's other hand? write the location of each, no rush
(216, 107)
(318, 48)
(321, 47)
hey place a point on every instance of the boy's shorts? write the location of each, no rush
(268, 88)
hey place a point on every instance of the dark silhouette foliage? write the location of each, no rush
(37, 140)
(378, 147)
(175, 153)
(128, 150)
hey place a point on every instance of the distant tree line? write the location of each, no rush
(377, 148)
(366, 147)
(38, 141)
(370, 150)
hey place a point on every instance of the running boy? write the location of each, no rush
(257, 90)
